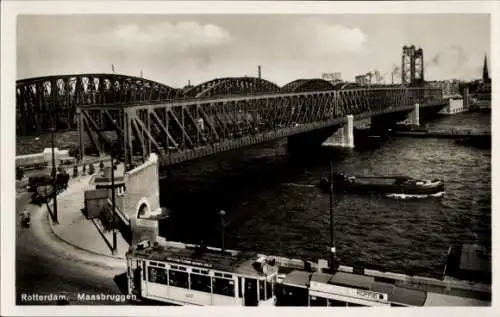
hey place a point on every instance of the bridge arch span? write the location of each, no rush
(232, 86)
(37, 97)
(303, 85)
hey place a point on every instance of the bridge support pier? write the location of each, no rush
(141, 200)
(344, 136)
(414, 116)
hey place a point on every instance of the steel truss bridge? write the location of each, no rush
(136, 117)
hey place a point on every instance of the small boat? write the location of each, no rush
(382, 185)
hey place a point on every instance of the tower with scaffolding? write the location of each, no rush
(412, 66)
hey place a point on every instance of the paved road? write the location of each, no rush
(43, 265)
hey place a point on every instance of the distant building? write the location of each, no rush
(363, 80)
(449, 87)
(332, 77)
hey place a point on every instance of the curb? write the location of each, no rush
(51, 226)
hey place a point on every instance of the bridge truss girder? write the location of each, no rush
(231, 86)
(43, 99)
(183, 130)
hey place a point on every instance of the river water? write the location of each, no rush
(273, 206)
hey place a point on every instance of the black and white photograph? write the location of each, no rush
(313, 156)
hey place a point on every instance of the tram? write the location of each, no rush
(183, 274)
(301, 288)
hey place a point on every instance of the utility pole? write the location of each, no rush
(113, 202)
(333, 250)
(54, 171)
(222, 213)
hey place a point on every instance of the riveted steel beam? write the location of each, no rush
(184, 129)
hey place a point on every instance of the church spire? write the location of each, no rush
(486, 76)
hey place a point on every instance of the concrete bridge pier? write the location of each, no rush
(138, 204)
(414, 116)
(344, 136)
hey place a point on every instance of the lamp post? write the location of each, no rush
(113, 202)
(54, 174)
(222, 213)
(333, 250)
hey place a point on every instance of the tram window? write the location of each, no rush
(200, 283)
(332, 302)
(262, 290)
(157, 275)
(317, 301)
(160, 264)
(178, 279)
(269, 290)
(292, 296)
(223, 286)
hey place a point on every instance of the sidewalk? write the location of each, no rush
(75, 229)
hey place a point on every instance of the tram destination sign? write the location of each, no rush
(188, 262)
(348, 291)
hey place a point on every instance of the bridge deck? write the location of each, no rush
(180, 130)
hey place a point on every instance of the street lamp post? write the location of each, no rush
(333, 250)
(113, 202)
(54, 174)
(222, 213)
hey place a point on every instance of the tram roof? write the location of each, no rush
(344, 279)
(297, 278)
(396, 294)
(435, 299)
(210, 258)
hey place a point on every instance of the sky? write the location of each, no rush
(175, 49)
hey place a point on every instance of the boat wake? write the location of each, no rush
(408, 196)
(299, 185)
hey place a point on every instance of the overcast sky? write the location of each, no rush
(173, 49)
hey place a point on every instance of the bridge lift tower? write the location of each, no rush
(412, 66)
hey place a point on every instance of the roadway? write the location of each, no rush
(44, 266)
